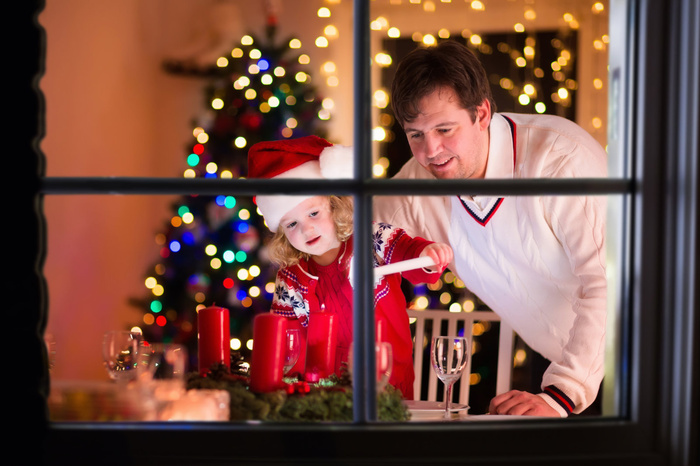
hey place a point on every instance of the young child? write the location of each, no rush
(313, 245)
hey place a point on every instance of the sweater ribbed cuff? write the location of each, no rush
(560, 398)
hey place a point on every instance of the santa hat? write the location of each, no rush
(309, 157)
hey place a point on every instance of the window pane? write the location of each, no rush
(154, 102)
(550, 58)
(533, 272)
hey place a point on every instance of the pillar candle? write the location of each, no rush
(379, 330)
(267, 361)
(322, 339)
(214, 338)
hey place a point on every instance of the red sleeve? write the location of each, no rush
(404, 247)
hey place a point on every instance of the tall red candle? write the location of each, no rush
(214, 338)
(267, 361)
(322, 339)
(380, 327)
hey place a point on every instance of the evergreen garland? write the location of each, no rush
(329, 400)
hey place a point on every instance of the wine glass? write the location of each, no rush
(384, 364)
(119, 352)
(292, 348)
(449, 356)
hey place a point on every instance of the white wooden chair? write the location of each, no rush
(505, 348)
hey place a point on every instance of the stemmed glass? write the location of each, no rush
(449, 356)
(292, 348)
(119, 352)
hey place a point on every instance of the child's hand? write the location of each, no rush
(441, 254)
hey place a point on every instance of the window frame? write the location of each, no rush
(659, 419)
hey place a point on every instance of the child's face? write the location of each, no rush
(310, 228)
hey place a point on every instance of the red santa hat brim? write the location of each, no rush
(309, 157)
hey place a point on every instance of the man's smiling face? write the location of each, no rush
(444, 138)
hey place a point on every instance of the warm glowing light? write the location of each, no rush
(304, 59)
(530, 14)
(247, 40)
(151, 282)
(212, 167)
(455, 307)
(273, 101)
(563, 93)
(188, 218)
(378, 133)
(254, 291)
(331, 31)
(597, 122)
(328, 67)
(295, 44)
(266, 79)
(249, 344)
(254, 69)
(279, 71)
(523, 99)
(327, 103)
(254, 270)
(189, 173)
(519, 27)
(235, 344)
(381, 98)
(291, 123)
(383, 59)
(540, 107)
(222, 62)
(598, 83)
(521, 62)
(428, 6)
(332, 81)
(250, 94)
(300, 77)
(255, 54)
(444, 33)
(393, 32)
(237, 53)
(378, 171)
(429, 40)
(324, 12)
(506, 83)
(158, 290)
(597, 7)
(240, 142)
(217, 104)
(379, 24)
(477, 5)
(529, 89)
(475, 39)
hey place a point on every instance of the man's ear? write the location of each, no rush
(483, 114)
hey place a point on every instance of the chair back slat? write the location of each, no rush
(421, 357)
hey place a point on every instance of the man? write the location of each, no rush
(537, 261)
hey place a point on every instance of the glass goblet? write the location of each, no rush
(292, 348)
(119, 352)
(384, 364)
(449, 356)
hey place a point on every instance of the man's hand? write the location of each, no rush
(520, 403)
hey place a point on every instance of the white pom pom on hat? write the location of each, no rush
(308, 157)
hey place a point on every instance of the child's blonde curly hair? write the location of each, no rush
(283, 254)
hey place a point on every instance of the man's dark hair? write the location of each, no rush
(449, 64)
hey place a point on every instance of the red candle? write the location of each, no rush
(214, 338)
(379, 331)
(322, 339)
(267, 361)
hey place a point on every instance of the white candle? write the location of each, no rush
(403, 266)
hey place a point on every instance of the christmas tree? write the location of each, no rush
(212, 248)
